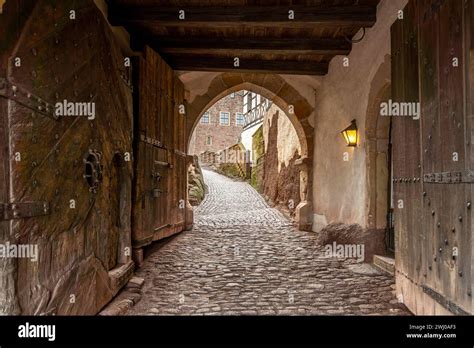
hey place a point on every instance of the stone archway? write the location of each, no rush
(287, 98)
(377, 129)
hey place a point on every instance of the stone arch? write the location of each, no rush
(275, 88)
(272, 87)
(377, 130)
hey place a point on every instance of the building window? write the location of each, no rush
(239, 119)
(246, 104)
(205, 118)
(209, 140)
(224, 118)
(251, 100)
(254, 100)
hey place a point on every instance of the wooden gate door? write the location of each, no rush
(160, 167)
(432, 158)
(10, 27)
(407, 178)
(65, 190)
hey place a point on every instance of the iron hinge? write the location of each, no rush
(449, 177)
(21, 210)
(164, 164)
(180, 153)
(443, 301)
(26, 98)
(151, 141)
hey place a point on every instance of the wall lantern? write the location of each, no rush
(351, 135)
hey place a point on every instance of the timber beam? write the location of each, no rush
(234, 46)
(196, 63)
(279, 16)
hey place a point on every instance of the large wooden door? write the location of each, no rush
(407, 179)
(432, 64)
(12, 24)
(160, 166)
(65, 191)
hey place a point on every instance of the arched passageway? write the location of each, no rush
(288, 99)
(246, 136)
(119, 209)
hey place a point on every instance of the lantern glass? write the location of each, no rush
(351, 134)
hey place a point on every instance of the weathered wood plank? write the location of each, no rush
(245, 15)
(469, 73)
(199, 45)
(429, 118)
(397, 136)
(452, 134)
(412, 141)
(406, 155)
(209, 63)
(158, 182)
(443, 128)
(79, 239)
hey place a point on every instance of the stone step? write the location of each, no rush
(126, 299)
(385, 264)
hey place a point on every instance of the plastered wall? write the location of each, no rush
(340, 189)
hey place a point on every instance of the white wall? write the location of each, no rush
(339, 187)
(246, 138)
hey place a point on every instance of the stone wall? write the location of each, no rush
(222, 136)
(196, 185)
(233, 162)
(281, 178)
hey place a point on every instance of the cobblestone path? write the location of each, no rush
(245, 258)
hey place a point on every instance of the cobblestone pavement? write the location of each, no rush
(245, 258)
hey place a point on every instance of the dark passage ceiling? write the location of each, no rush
(260, 33)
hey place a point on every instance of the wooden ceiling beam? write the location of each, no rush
(357, 15)
(205, 63)
(200, 45)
